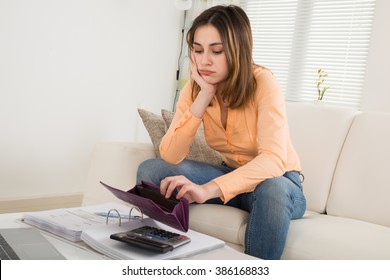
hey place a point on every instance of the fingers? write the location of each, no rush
(184, 192)
(185, 188)
(169, 184)
(192, 192)
(164, 185)
(194, 70)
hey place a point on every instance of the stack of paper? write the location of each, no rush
(70, 222)
(98, 238)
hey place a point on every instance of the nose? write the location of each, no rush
(205, 59)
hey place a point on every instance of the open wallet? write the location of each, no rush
(152, 203)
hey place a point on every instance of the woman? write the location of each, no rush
(243, 113)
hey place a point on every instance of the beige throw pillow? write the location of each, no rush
(157, 126)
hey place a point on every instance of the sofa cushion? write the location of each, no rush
(221, 221)
(318, 133)
(327, 237)
(157, 126)
(361, 185)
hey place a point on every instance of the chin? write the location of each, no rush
(211, 80)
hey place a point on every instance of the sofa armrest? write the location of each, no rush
(114, 163)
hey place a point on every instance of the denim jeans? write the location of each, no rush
(271, 206)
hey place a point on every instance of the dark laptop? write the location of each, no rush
(26, 244)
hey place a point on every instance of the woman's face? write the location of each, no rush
(209, 54)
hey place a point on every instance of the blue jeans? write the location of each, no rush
(271, 206)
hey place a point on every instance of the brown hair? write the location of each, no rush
(234, 28)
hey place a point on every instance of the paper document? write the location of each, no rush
(98, 238)
(70, 222)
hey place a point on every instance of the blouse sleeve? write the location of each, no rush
(175, 144)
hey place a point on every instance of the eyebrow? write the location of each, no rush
(212, 44)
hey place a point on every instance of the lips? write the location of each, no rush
(205, 72)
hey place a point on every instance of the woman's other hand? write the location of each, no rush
(187, 189)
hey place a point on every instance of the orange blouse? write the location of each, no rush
(256, 140)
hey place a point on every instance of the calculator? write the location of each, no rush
(152, 238)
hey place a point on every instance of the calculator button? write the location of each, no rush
(160, 235)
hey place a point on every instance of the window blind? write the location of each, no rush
(294, 38)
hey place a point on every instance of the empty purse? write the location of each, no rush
(152, 203)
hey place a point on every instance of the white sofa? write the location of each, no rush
(345, 157)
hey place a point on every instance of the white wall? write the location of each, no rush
(376, 96)
(72, 73)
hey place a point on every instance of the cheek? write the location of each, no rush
(224, 67)
(195, 60)
(222, 61)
